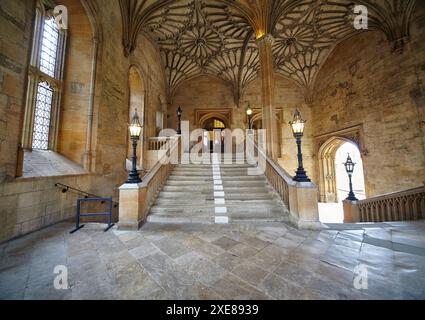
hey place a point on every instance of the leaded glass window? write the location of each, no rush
(46, 79)
(42, 118)
(49, 47)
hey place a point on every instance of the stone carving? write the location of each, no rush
(217, 37)
(306, 34)
(197, 37)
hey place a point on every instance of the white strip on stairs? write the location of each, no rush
(219, 195)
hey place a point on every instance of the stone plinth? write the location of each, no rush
(303, 206)
(131, 211)
(351, 213)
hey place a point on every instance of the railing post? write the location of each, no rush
(351, 211)
(303, 206)
(132, 197)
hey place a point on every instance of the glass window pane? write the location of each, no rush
(43, 108)
(49, 47)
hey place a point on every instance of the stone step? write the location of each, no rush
(209, 166)
(210, 209)
(211, 220)
(275, 216)
(153, 218)
(203, 183)
(210, 179)
(191, 196)
(234, 175)
(242, 171)
(251, 200)
(194, 190)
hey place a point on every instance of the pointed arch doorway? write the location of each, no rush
(333, 179)
(213, 130)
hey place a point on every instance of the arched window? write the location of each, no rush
(44, 80)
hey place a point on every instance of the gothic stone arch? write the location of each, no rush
(222, 115)
(328, 145)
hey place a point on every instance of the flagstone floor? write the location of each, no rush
(268, 261)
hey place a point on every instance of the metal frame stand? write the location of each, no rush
(79, 215)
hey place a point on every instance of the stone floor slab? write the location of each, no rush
(248, 261)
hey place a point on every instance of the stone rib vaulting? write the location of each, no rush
(212, 149)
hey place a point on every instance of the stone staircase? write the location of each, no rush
(216, 193)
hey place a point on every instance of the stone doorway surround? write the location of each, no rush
(326, 147)
(202, 115)
(215, 133)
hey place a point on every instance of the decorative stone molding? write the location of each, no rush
(217, 37)
(353, 134)
(265, 39)
(393, 19)
(195, 37)
(225, 115)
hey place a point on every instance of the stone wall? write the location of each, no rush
(364, 82)
(15, 37)
(77, 89)
(32, 203)
(28, 204)
(203, 93)
(147, 60)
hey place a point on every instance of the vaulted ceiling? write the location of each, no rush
(218, 37)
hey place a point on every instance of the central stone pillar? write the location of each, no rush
(265, 46)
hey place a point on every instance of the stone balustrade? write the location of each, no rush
(301, 198)
(136, 199)
(158, 143)
(397, 206)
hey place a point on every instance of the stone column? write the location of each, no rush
(265, 46)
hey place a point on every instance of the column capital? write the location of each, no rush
(265, 39)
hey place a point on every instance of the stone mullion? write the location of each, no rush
(54, 120)
(33, 79)
(28, 127)
(56, 104)
(38, 35)
(265, 44)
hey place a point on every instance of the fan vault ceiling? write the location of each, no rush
(218, 37)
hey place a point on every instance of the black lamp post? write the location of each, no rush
(179, 121)
(249, 114)
(349, 167)
(135, 131)
(297, 125)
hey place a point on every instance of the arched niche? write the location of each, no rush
(257, 124)
(74, 134)
(136, 101)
